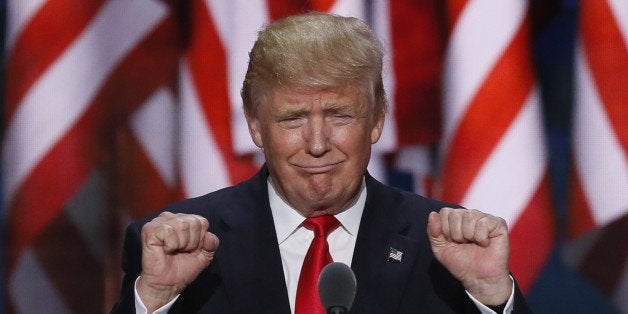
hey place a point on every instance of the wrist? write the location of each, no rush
(491, 292)
(154, 296)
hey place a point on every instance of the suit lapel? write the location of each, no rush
(250, 263)
(384, 255)
(249, 258)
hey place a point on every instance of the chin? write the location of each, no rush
(321, 209)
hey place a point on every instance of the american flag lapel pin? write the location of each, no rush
(395, 255)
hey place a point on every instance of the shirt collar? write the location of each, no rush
(288, 220)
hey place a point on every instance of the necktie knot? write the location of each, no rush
(321, 225)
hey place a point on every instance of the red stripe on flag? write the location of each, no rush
(282, 8)
(454, 9)
(208, 69)
(417, 51)
(50, 31)
(531, 249)
(278, 9)
(322, 5)
(607, 56)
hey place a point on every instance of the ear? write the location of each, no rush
(254, 129)
(378, 127)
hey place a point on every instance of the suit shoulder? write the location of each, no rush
(404, 198)
(426, 201)
(212, 203)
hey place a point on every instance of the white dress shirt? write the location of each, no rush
(294, 241)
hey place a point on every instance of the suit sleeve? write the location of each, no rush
(520, 306)
(131, 265)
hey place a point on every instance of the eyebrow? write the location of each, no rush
(288, 113)
(338, 107)
(296, 109)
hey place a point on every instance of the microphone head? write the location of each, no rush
(337, 286)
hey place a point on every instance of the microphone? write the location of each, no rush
(336, 288)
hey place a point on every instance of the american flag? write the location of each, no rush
(114, 109)
(493, 155)
(88, 140)
(598, 224)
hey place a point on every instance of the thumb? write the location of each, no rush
(434, 226)
(210, 245)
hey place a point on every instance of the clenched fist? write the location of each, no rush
(474, 247)
(175, 249)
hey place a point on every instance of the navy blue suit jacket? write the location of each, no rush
(246, 275)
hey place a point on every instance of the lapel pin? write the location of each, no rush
(395, 255)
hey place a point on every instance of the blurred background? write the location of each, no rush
(114, 108)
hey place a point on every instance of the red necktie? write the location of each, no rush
(308, 301)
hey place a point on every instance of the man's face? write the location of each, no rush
(317, 146)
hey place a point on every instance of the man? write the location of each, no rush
(315, 103)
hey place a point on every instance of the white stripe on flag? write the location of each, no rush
(203, 168)
(388, 140)
(599, 158)
(619, 8)
(381, 25)
(154, 125)
(238, 22)
(354, 8)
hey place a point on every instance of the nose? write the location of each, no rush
(317, 137)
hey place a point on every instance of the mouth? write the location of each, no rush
(318, 169)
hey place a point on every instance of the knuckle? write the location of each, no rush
(150, 227)
(166, 215)
(200, 222)
(182, 223)
(482, 223)
(167, 229)
(468, 215)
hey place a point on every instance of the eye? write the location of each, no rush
(340, 118)
(291, 122)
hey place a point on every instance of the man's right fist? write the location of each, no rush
(175, 249)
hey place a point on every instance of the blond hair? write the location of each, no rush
(311, 52)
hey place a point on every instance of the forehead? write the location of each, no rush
(348, 96)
